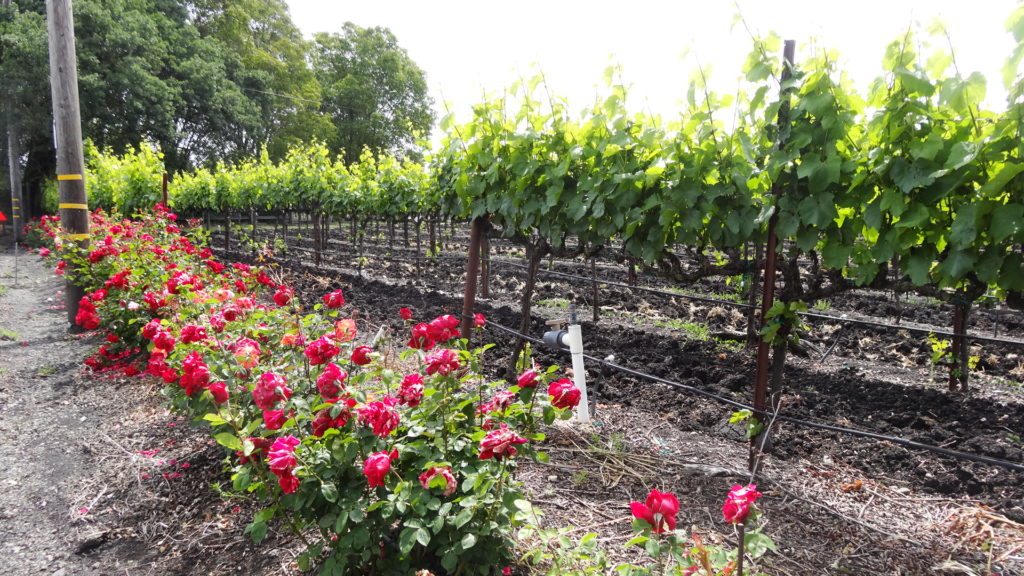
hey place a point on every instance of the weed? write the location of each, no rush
(561, 303)
(822, 305)
(580, 477)
(6, 334)
(47, 370)
(693, 329)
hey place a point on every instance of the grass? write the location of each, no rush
(693, 329)
(560, 303)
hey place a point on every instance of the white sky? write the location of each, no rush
(467, 47)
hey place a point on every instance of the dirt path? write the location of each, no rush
(41, 423)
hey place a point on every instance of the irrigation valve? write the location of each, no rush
(573, 340)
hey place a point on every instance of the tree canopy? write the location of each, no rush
(208, 81)
(374, 93)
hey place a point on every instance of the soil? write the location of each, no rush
(834, 504)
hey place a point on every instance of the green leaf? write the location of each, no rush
(1007, 221)
(214, 419)
(964, 229)
(423, 537)
(909, 176)
(257, 531)
(957, 264)
(330, 491)
(756, 544)
(468, 541)
(463, 517)
(228, 440)
(918, 265)
(407, 539)
(998, 182)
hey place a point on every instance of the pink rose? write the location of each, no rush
(501, 401)
(659, 511)
(564, 394)
(361, 355)
(443, 472)
(500, 443)
(737, 504)
(247, 353)
(377, 466)
(282, 454)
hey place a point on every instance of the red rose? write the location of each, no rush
(443, 362)
(380, 416)
(528, 379)
(500, 443)
(164, 341)
(410, 392)
(274, 419)
(737, 504)
(564, 394)
(377, 465)
(191, 333)
(420, 339)
(445, 473)
(405, 313)
(283, 295)
(282, 462)
(320, 351)
(479, 321)
(269, 390)
(659, 511)
(330, 383)
(219, 390)
(334, 299)
(361, 355)
(501, 401)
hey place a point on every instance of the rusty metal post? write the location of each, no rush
(472, 269)
(768, 298)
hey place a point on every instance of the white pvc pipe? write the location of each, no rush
(579, 373)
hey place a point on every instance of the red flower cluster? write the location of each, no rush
(87, 317)
(737, 504)
(282, 463)
(269, 390)
(323, 421)
(191, 333)
(320, 351)
(381, 416)
(659, 511)
(283, 295)
(246, 352)
(500, 443)
(195, 373)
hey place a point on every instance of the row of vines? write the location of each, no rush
(913, 187)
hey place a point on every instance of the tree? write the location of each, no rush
(373, 92)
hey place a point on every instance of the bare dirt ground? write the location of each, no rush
(97, 478)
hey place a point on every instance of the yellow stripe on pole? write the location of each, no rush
(78, 236)
(73, 206)
(69, 176)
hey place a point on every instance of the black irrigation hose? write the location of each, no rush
(806, 314)
(848, 431)
(640, 288)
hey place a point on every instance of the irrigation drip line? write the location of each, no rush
(827, 427)
(806, 314)
(641, 288)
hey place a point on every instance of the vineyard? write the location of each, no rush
(793, 286)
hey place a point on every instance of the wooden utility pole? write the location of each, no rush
(67, 126)
(13, 162)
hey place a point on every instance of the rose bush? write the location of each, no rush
(398, 461)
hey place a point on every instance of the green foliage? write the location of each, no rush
(127, 183)
(373, 93)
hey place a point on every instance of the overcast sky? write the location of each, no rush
(467, 47)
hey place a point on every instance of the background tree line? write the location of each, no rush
(206, 80)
